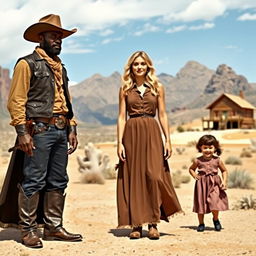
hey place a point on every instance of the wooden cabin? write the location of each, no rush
(230, 111)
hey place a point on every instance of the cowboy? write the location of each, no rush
(41, 112)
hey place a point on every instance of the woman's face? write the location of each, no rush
(139, 67)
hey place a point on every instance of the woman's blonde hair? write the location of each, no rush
(128, 78)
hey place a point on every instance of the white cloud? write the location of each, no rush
(147, 28)
(185, 27)
(198, 10)
(202, 27)
(231, 47)
(100, 15)
(106, 32)
(247, 16)
(72, 46)
(110, 40)
(176, 29)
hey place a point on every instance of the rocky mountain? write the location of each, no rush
(224, 80)
(96, 98)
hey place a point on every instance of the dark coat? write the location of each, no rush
(9, 195)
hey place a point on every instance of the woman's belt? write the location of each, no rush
(142, 115)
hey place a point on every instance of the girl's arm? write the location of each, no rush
(120, 125)
(192, 170)
(162, 115)
(224, 173)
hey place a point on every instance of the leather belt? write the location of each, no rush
(60, 121)
(142, 115)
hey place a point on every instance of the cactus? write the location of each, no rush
(94, 166)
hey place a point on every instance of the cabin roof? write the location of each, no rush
(236, 99)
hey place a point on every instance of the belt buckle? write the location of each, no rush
(60, 122)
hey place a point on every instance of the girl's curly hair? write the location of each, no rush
(209, 140)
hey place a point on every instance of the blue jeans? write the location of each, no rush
(47, 168)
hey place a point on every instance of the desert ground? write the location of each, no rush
(91, 210)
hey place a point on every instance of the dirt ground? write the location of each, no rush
(91, 210)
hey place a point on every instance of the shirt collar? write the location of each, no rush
(145, 84)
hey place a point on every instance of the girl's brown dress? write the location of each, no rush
(145, 193)
(208, 195)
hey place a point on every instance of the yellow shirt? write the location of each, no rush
(20, 86)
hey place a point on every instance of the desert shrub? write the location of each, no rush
(184, 167)
(178, 178)
(246, 153)
(192, 143)
(240, 179)
(246, 203)
(233, 160)
(180, 150)
(180, 129)
(185, 178)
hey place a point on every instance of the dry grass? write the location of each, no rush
(178, 178)
(240, 179)
(233, 160)
(92, 178)
(246, 203)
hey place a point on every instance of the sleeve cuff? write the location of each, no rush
(72, 128)
(21, 129)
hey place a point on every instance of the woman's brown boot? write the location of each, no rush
(136, 232)
(153, 232)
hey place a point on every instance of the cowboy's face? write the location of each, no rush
(51, 42)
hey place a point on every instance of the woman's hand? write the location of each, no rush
(167, 150)
(121, 152)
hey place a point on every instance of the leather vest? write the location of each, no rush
(41, 93)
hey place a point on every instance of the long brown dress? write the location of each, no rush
(145, 193)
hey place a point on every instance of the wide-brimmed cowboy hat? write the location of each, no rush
(48, 23)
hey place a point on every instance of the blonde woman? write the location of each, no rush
(145, 193)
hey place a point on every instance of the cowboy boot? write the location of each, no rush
(153, 232)
(27, 223)
(53, 211)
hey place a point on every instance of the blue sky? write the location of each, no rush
(172, 32)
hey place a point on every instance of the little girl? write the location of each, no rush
(209, 194)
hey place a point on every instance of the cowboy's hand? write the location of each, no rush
(72, 140)
(25, 143)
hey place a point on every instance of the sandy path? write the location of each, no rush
(91, 210)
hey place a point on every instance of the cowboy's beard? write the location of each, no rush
(50, 49)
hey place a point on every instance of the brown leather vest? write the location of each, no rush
(41, 93)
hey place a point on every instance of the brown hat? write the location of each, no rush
(50, 22)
